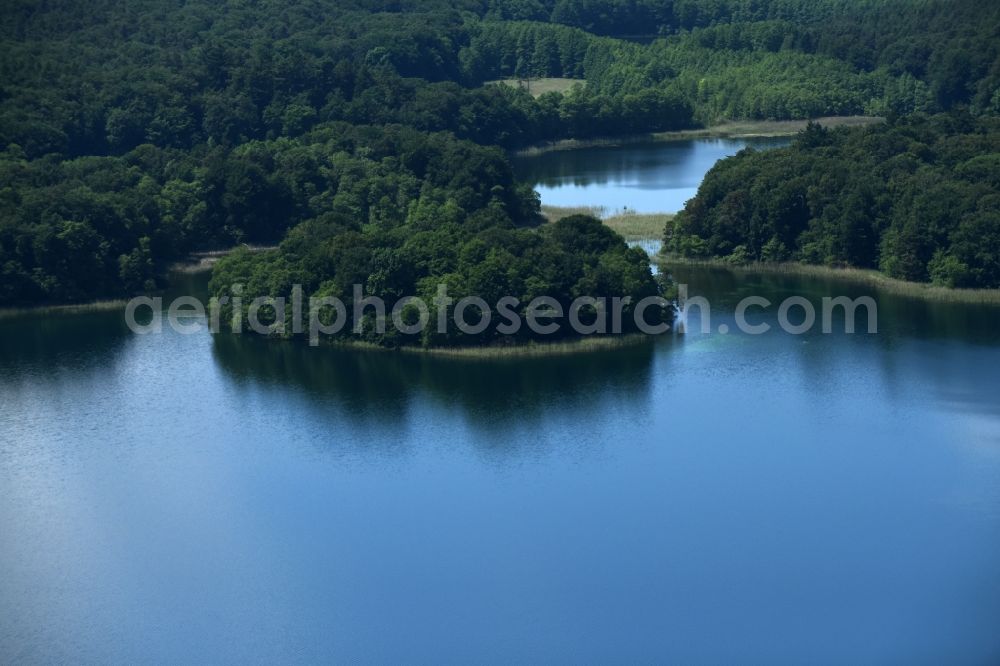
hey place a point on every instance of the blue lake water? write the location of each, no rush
(704, 498)
(655, 177)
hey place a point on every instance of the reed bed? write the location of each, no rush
(70, 308)
(584, 345)
(856, 275)
(725, 130)
(630, 224)
(556, 213)
(639, 226)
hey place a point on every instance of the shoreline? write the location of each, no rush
(632, 226)
(195, 263)
(582, 345)
(869, 277)
(106, 305)
(730, 129)
(529, 349)
(586, 344)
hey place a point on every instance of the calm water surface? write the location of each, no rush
(646, 177)
(712, 498)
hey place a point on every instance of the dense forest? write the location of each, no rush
(400, 212)
(134, 133)
(918, 198)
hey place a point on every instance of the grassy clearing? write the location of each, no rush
(633, 226)
(538, 87)
(856, 275)
(639, 226)
(764, 128)
(556, 213)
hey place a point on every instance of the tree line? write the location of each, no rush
(917, 198)
(134, 133)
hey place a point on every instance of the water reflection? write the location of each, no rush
(493, 393)
(899, 317)
(644, 177)
(234, 498)
(941, 356)
(72, 342)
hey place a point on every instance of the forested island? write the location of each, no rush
(361, 138)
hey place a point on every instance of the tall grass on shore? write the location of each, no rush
(730, 129)
(584, 345)
(630, 224)
(71, 308)
(556, 213)
(533, 348)
(743, 129)
(639, 226)
(868, 277)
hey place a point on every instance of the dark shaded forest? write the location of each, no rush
(362, 134)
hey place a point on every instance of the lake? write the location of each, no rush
(717, 498)
(652, 177)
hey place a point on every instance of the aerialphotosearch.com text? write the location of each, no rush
(320, 316)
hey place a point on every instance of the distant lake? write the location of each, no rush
(656, 177)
